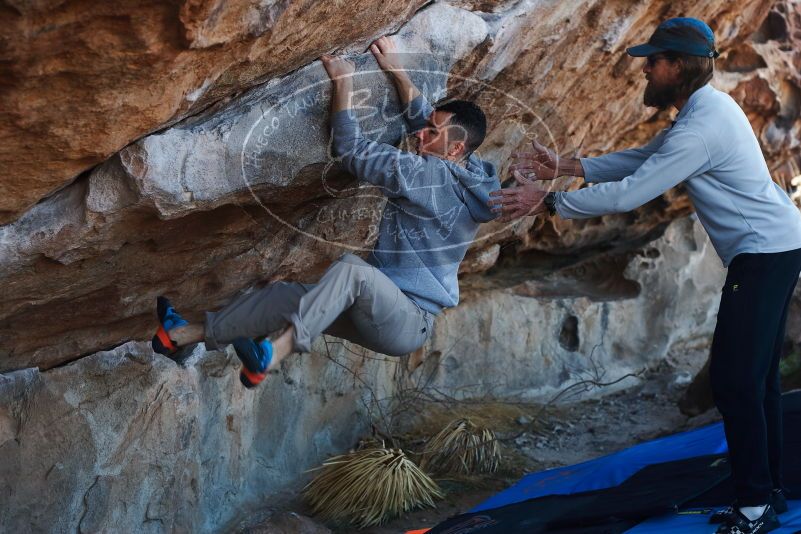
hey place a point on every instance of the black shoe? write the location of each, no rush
(737, 523)
(722, 515)
(777, 501)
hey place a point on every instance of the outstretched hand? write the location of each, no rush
(542, 163)
(386, 54)
(514, 202)
(337, 67)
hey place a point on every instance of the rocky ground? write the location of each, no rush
(533, 437)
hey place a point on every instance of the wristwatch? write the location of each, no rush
(550, 203)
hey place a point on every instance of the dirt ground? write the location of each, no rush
(536, 436)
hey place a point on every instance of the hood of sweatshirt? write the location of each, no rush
(473, 185)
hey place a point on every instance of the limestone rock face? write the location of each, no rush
(599, 320)
(81, 81)
(242, 190)
(126, 437)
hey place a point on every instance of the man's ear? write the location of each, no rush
(678, 63)
(457, 148)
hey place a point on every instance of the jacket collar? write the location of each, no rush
(697, 95)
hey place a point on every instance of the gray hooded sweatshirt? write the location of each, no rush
(433, 207)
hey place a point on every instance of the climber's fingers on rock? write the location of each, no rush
(385, 53)
(379, 55)
(337, 66)
(385, 44)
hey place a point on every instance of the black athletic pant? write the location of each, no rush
(746, 350)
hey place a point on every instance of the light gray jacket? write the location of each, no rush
(712, 149)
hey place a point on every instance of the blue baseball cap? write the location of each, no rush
(682, 34)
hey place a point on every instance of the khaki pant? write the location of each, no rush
(353, 300)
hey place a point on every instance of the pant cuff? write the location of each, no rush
(301, 337)
(210, 340)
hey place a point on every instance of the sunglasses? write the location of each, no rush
(653, 58)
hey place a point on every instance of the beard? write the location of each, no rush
(659, 96)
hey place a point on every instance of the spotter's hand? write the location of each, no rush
(542, 162)
(514, 202)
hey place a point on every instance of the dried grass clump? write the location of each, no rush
(367, 487)
(462, 447)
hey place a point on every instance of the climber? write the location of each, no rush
(754, 226)
(435, 202)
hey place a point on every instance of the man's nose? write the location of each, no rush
(646, 68)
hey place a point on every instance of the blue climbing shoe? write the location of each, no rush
(255, 358)
(168, 320)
